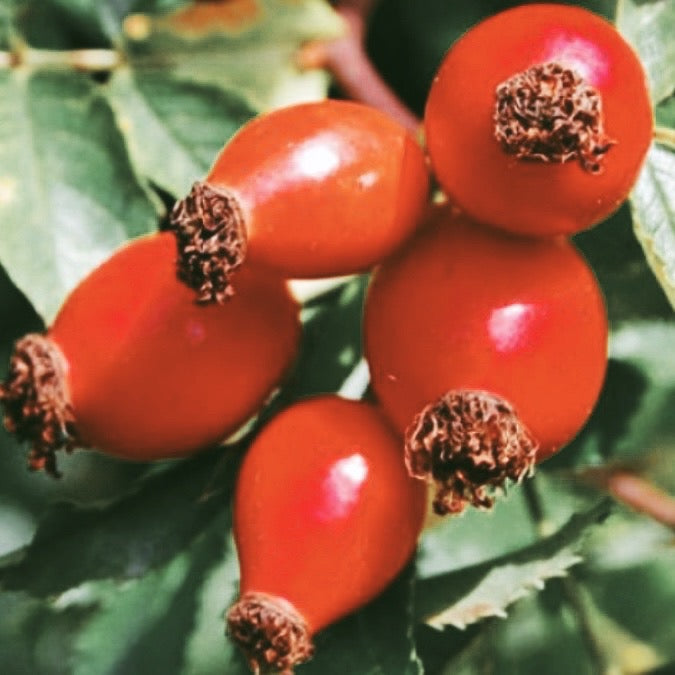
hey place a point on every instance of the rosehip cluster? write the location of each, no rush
(537, 124)
(138, 365)
(484, 329)
(179, 338)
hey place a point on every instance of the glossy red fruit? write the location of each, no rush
(325, 516)
(488, 350)
(312, 190)
(133, 367)
(539, 119)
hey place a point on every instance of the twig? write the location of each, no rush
(641, 495)
(87, 60)
(348, 62)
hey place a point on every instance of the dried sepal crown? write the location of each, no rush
(36, 401)
(549, 113)
(211, 239)
(468, 443)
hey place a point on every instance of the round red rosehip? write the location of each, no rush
(134, 367)
(539, 119)
(325, 516)
(312, 190)
(488, 350)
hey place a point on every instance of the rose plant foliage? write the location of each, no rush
(110, 111)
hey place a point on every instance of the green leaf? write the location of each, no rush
(72, 24)
(475, 536)
(650, 25)
(535, 639)
(639, 599)
(618, 261)
(632, 421)
(464, 596)
(65, 24)
(68, 195)
(174, 129)
(628, 540)
(623, 650)
(141, 626)
(36, 637)
(128, 538)
(207, 651)
(6, 18)
(250, 47)
(653, 205)
(642, 431)
(331, 345)
(665, 116)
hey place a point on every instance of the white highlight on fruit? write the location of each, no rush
(342, 486)
(509, 324)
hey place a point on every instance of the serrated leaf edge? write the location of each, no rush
(446, 617)
(575, 529)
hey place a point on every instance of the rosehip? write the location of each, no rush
(133, 367)
(487, 350)
(312, 190)
(539, 119)
(325, 516)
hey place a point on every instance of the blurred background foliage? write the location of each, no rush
(108, 111)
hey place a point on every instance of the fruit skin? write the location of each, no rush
(151, 374)
(326, 188)
(523, 195)
(325, 514)
(469, 307)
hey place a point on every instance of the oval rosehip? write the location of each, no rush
(325, 516)
(134, 367)
(539, 119)
(313, 190)
(487, 350)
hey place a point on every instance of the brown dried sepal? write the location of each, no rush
(270, 632)
(36, 402)
(469, 443)
(211, 237)
(549, 113)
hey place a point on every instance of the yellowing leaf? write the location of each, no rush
(245, 46)
(203, 18)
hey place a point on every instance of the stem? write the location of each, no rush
(665, 136)
(348, 62)
(87, 60)
(568, 585)
(641, 495)
(535, 508)
(575, 599)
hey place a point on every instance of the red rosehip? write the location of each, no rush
(133, 367)
(488, 350)
(325, 516)
(539, 119)
(312, 190)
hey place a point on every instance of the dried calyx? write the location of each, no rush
(468, 443)
(36, 402)
(549, 113)
(211, 237)
(270, 632)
